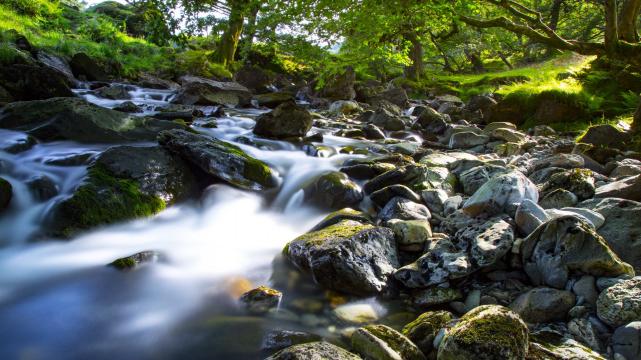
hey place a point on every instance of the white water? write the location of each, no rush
(58, 300)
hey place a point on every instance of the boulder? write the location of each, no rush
(436, 296)
(78, 120)
(529, 216)
(383, 196)
(489, 332)
(32, 82)
(272, 100)
(564, 246)
(383, 118)
(410, 232)
(341, 86)
(373, 132)
(558, 198)
(358, 313)
(487, 243)
(6, 193)
(200, 91)
(543, 305)
(312, 351)
(580, 182)
(56, 63)
(627, 188)
(424, 330)
(256, 79)
(622, 227)
(621, 303)
(431, 121)
(276, 340)
(501, 194)
(471, 180)
(261, 300)
(626, 340)
(220, 159)
(380, 342)
(340, 215)
(606, 136)
(288, 120)
(124, 183)
(115, 92)
(333, 190)
(467, 139)
(85, 67)
(403, 209)
(397, 96)
(348, 256)
(344, 107)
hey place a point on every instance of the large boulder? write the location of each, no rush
(255, 79)
(348, 256)
(124, 183)
(626, 340)
(622, 227)
(383, 118)
(220, 159)
(200, 91)
(488, 332)
(605, 135)
(314, 351)
(78, 120)
(333, 190)
(501, 194)
(568, 245)
(621, 303)
(341, 86)
(380, 342)
(288, 120)
(273, 99)
(543, 305)
(628, 188)
(580, 182)
(32, 82)
(85, 67)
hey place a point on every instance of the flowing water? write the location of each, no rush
(58, 300)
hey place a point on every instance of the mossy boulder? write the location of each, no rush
(489, 332)
(340, 86)
(288, 120)
(340, 215)
(568, 245)
(314, 350)
(426, 327)
(33, 82)
(380, 342)
(200, 91)
(621, 303)
(272, 100)
(124, 183)
(261, 300)
(6, 193)
(349, 257)
(580, 182)
(78, 120)
(220, 159)
(333, 190)
(86, 67)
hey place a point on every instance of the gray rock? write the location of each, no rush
(558, 198)
(564, 246)
(424, 330)
(628, 188)
(200, 91)
(565, 161)
(467, 139)
(452, 204)
(136, 260)
(621, 303)
(410, 232)
(474, 178)
(286, 121)
(403, 209)
(578, 181)
(605, 135)
(529, 216)
(373, 132)
(114, 92)
(591, 217)
(487, 242)
(434, 199)
(436, 296)
(314, 351)
(261, 300)
(220, 159)
(586, 332)
(502, 194)
(276, 340)
(348, 257)
(585, 289)
(626, 340)
(542, 305)
(383, 196)
(273, 99)
(386, 120)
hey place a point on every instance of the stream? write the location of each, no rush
(59, 300)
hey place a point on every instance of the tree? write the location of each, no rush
(620, 39)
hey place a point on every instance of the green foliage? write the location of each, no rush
(200, 63)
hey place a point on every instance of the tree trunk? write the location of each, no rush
(611, 27)
(231, 36)
(555, 14)
(505, 60)
(415, 70)
(628, 21)
(248, 40)
(475, 60)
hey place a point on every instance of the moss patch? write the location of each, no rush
(104, 199)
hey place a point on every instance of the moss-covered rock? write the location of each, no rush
(340, 215)
(200, 91)
(272, 100)
(578, 181)
(134, 261)
(287, 120)
(220, 159)
(260, 300)
(380, 342)
(314, 350)
(348, 256)
(78, 120)
(333, 190)
(426, 327)
(621, 303)
(489, 332)
(6, 193)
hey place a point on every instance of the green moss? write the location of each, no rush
(499, 329)
(255, 170)
(105, 199)
(342, 230)
(124, 263)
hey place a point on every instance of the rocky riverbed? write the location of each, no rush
(200, 220)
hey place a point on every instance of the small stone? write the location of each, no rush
(541, 305)
(410, 232)
(276, 340)
(261, 300)
(585, 288)
(356, 313)
(434, 199)
(380, 342)
(403, 209)
(436, 296)
(134, 261)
